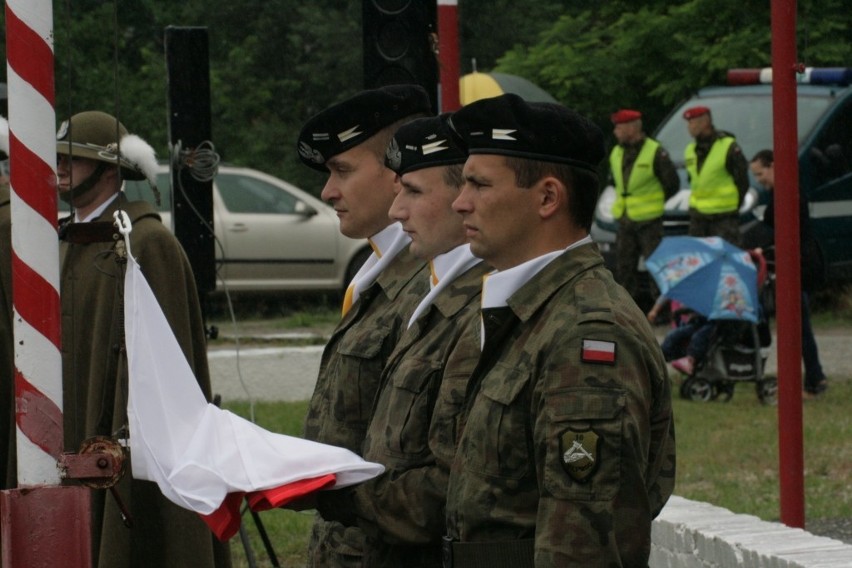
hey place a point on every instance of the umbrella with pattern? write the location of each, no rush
(708, 274)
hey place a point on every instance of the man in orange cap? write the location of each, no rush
(718, 176)
(644, 177)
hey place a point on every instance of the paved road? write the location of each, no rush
(289, 373)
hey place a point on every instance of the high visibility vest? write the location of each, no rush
(644, 197)
(713, 188)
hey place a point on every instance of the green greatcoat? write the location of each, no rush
(8, 471)
(564, 449)
(348, 381)
(94, 370)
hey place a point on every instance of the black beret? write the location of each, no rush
(424, 143)
(345, 125)
(548, 132)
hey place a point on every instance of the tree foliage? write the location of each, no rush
(274, 63)
(649, 55)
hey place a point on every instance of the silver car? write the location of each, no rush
(272, 236)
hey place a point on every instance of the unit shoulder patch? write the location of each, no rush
(579, 453)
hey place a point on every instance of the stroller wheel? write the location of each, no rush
(724, 391)
(767, 391)
(699, 390)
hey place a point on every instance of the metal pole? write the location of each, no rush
(448, 54)
(788, 265)
(43, 524)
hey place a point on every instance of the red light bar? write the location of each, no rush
(743, 76)
(811, 75)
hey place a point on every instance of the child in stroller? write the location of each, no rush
(714, 355)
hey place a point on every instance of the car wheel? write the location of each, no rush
(355, 264)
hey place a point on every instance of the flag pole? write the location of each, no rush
(43, 523)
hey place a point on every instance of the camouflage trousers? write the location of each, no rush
(334, 545)
(725, 225)
(635, 240)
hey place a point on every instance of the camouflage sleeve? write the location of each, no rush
(595, 419)
(666, 172)
(737, 166)
(407, 503)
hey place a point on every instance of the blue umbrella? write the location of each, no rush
(708, 274)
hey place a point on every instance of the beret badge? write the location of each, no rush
(393, 155)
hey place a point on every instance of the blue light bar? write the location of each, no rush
(811, 75)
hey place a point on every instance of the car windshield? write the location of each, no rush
(747, 117)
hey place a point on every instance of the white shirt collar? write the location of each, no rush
(97, 212)
(499, 286)
(445, 268)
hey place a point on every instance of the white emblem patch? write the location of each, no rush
(319, 136)
(502, 134)
(63, 130)
(349, 134)
(432, 147)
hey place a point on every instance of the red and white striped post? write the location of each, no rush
(43, 523)
(448, 54)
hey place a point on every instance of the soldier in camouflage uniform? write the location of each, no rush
(402, 511)
(567, 449)
(644, 178)
(347, 141)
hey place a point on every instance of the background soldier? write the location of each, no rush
(644, 178)
(348, 142)
(718, 176)
(567, 451)
(95, 153)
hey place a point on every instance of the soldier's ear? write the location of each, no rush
(552, 195)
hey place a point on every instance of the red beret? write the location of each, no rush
(695, 111)
(625, 115)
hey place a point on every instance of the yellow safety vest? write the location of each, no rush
(644, 197)
(713, 188)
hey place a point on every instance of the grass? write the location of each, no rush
(727, 455)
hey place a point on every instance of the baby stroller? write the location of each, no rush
(738, 346)
(737, 354)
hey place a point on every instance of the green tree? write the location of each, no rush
(650, 55)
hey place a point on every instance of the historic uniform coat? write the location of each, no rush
(347, 384)
(95, 384)
(8, 473)
(568, 444)
(402, 511)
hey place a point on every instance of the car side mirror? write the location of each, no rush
(304, 209)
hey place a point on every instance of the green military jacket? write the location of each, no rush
(347, 384)
(569, 436)
(403, 509)
(94, 369)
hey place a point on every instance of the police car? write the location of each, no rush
(744, 108)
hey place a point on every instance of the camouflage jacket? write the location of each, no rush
(403, 510)
(348, 381)
(569, 435)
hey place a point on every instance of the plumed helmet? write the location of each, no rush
(99, 136)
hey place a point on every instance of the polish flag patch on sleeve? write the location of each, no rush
(595, 351)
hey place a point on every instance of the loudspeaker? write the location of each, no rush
(400, 44)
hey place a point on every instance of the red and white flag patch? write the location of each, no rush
(595, 351)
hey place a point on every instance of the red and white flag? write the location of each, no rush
(202, 457)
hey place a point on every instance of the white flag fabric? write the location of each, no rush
(197, 453)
